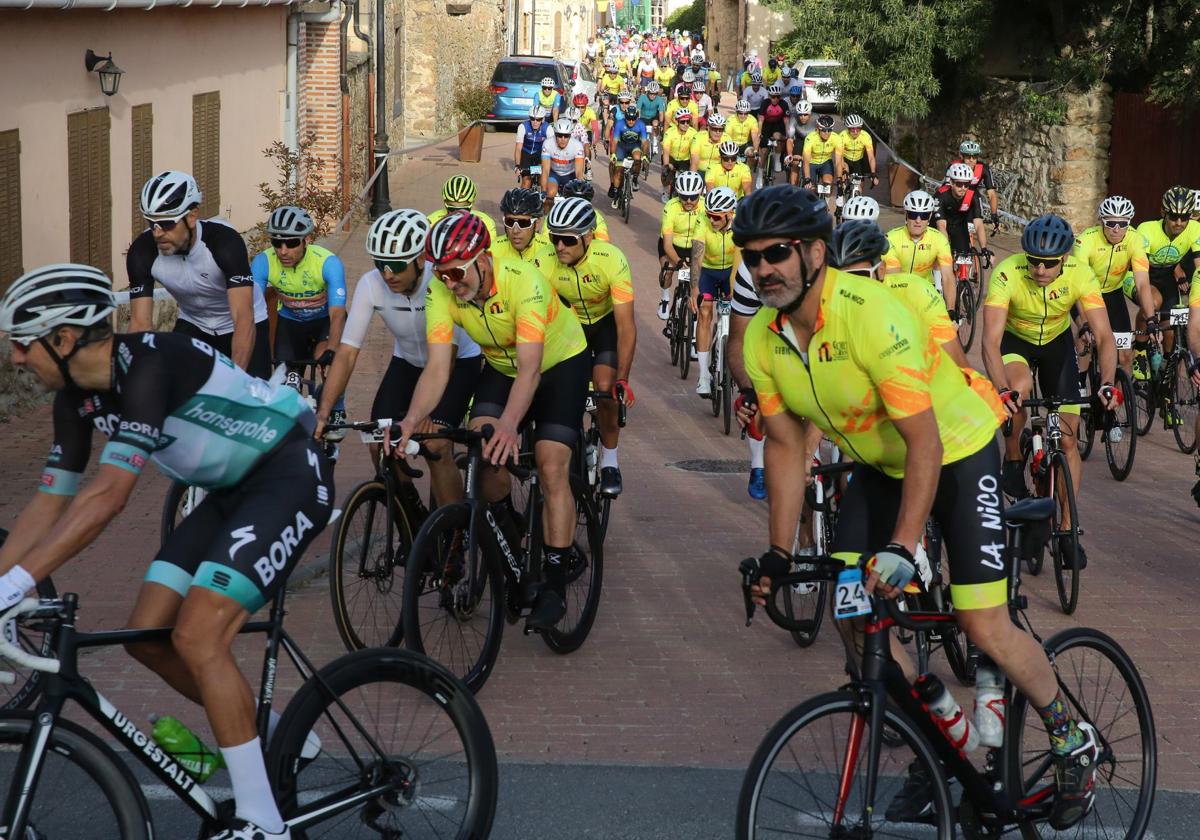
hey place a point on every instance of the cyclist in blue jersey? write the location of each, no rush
(174, 400)
(651, 105)
(629, 139)
(527, 152)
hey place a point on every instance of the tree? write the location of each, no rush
(690, 18)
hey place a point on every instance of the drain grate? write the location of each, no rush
(717, 466)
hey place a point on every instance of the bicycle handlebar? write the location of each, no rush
(470, 437)
(14, 654)
(620, 400)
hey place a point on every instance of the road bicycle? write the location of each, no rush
(1169, 392)
(681, 320)
(1117, 428)
(466, 575)
(405, 749)
(850, 186)
(833, 766)
(587, 454)
(625, 193)
(967, 268)
(804, 603)
(721, 390)
(770, 160)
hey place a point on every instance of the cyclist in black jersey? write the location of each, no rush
(170, 399)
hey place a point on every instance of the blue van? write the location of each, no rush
(517, 81)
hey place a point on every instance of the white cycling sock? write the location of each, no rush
(608, 457)
(756, 452)
(702, 363)
(251, 790)
(666, 295)
(13, 585)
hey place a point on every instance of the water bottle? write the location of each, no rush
(989, 706)
(198, 760)
(1156, 362)
(946, 712)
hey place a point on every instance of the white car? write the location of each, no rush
(582, 80)
(817, 77)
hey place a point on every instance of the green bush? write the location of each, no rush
(472, 101)
(690, 18)
(299, 183)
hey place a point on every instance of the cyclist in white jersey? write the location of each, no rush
(562, 158)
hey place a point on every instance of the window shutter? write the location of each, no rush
(206, 150)
(11, 266)
(89, 188)
(142, 161)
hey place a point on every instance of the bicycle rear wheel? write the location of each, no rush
(726, 388)
(1064, 539)
(966, 315)
(714, 371)
(1143, 389)
(584, 579)
(674, 328)
(1120, 433)
(791, 787)
(1185, 408)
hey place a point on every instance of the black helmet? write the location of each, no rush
(577, 188)
(631, 114)
(773, 64)
(1178, 201)
(1047, 236)
(857, 241)
(782, 211)
(522, 202)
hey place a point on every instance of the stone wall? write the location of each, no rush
(1062, 168)
(722, 18)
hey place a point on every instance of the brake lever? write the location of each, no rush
(750, 575)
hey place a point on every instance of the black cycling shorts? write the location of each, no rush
(862, 166)
(602, 340)
(260, 357)
(1163, 279)
(1054, 364)
(244, 541)
(298, 340)
(967, 508)
(959, 236)
(400, 380)
(1118, 310)
(557, 407)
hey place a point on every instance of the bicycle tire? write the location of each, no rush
(367, 558)
(714, 371)
(1144, 389)
(1087, 416)
(1124, 420)
(428, 598)
(130, 818)
(817, 597)
(755, 805)
(1183, 407)
(674, 327)
(1066, 573)
(688, 338)
(726, 388)
(419, 716)
(584, 582)
(626, 197)
(966, 314)
(23, 692)
(1025, 753)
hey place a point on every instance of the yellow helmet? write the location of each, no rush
(459, 191)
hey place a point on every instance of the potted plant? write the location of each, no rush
(472, 100)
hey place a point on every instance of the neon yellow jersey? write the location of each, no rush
(678, 145)
(1194, 291)
(770, 76)
(1040, 314)
(923, 299)
(488, 222)
(705, 150)
(521, 309)
(540, 247)
(1161, 249)
(674, 106)
(738, 129)
(601, 231)
(680, 225)
(611, 83)
(853, 148)
(820, 150)
(1110, 263)
(664, 75)
(916, 256)
(594, 285)
(623, 65)
(736, 178)
(869, 363)
(719, 250)
(587, 117)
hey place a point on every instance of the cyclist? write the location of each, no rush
(981, 177)
(677, 149)
(584, 189)
(537, 369)
(610, 80)
(798, 128)
(205, 267)
(172, 399)
(858, 150)
(729, 173)
(458, 196)
(629, 139)
(775, 115)
(646, 68)
(705, 154)
(1027, 331)
(549, 98)
(531, 135)
(396, 288)
(520, 211)
(958, 211)
(651, 107)
(918, 249)
(681, 218)
(815, 355)
(861, 207)
(682, 102)
(771, 74)
(742, 128)
(562, 159)
(821, 157)
(594, 278)
(755, 94)
(714, 82)
(664, 76)
(1173, 250)
(744, 304)
(704, 104)
(713, 250)
(588, 120)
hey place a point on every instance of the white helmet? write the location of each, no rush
(959, 172)
(720, 200)
(774, 90)
(537, 112)
(398, 235)
(52, 296)
(689, 183)
(804, 107)
(728, 148)
(756, 78)
(563, 127)
(572, 215)
(547, 81)
(854, 121)
(290, 220)
(742, 106)
(170, 193)
(688, 77)
(571, 114)
(716, 121)
(1116, 207)
(697, 86)
(919, 201)
(861, 207)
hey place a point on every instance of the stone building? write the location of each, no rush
(737, 26)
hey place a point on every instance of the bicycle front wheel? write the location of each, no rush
(1144, 390)
(808, 776)
(1090, 417)
(1102, 686)
(1120, 433)
(396, 723)
(966, 314)
(687, 338)
(1184, 409)
(726, 388)
(584, 578)
(1064, 539)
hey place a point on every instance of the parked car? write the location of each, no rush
(816, 75)
(516, 82)
(582, 79)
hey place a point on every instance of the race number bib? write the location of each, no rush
(1124, 340)
(850, 600)
(1179, 317)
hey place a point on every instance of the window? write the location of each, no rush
(10, 208)
(206, 150)
(143, 160)
(523, 72)
(89, 188)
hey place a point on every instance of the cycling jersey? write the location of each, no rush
(680, 225)
(531, 141)
(705, 150)
(770, 76)
(719, 250)
(650, 108)
(199, 280)
(595, 284)
(403, 315)
(739, 129)
(611, 83)
(674, 106)
(664, 75)
(918, 256)
(586, 118)
(520, 308)
(735, 178)
(678, 145)
(601, 231)
(539, 246)
(745, 300)
(1110, 263)
(1039, 314)
(820, 150)
(869, 363)
(550, 101)
(307, 290)
(637, 127)
(756, 98)
(561, 161)
(854, 148)
(1161, 250)
(488, 222)
(923, 300)
(774, 113)
(647, 69)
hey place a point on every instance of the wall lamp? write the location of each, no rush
(109, 73)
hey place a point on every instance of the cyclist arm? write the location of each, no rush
(698, 248)
(241, 308)
(1097, 319)
(994, 319)
(747, 185)
(785, 448)
(807, 164)
(334, 274)
(544, 178)
(579, 167)
(949, 285)
(870, 152)
(626, 338)
(517, 146)
(138, 263)
(1141, 282)
(922, 467)
(980, 232)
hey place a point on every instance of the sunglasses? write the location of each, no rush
(774, 254)
(1044, 262)
(535, 119)
(923, 217)
(510, 222)
(293, 242)
(689, 199)
(1116, 224)
(394, 266)
(165, 225)
(568, 239)
(22, 344)
(728, 159)
(961, 184)
(455, 275)
(1178, 217)
(716, 217)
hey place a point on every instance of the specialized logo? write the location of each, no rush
(125, 356)
(241, 536)
(280, 552)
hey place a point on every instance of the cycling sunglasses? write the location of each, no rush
(1044, 262)
(455, 275)
(1178, 217)
(774, 254)
(718, 217)
(293, 242)
(394, 266)
(510, 222)
(568, 239)
(165, 225)
(1116, 224)
(962, 184)
(923, 217)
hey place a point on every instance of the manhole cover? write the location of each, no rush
(716, 466)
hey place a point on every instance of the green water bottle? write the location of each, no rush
(183, 745)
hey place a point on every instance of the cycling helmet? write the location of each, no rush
(632, 114)
(575, 188)
(959, 172)
(682, 91)
(796, 90)
(919, 201)
(720, 200)
(1115, 207)
(537, 112)
(457, 236)
(697, 59)
(716, 121)
(689, 183)
(697, 86)
(624, 96)
(825, 123)
(572, 215)
(970, 148)
(861, 207)
(65, 294)
(728, 148)
(1047, 236)
(857, 240)
(398, 235)
(170, 193)
(803, 108)
(782, 210)
(579, 100)
(547, 82)
(563, 128)
(742, 107)
(571, 114)
(774, 90)
(522, 202)
(459, 191)
(688, 76)
(854, 121)
(1179, 201)
(654, 87)
(629, 137)
(289, 221)
(756, 78)
(683, 115)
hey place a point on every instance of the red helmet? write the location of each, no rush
(457, 236)
(579, 100)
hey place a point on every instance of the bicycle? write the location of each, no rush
(769, 159)
(625, 193)
(466, 576)
(27, 686)
(681, 320)
(808, 599)
(1169, 392)
(721, 392)
(850, 186)
(417, 753)
(1118, 428)
(587, 455)
(822, 769)
(969, 294)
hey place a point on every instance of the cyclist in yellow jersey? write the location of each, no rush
(1027, 330)
(664, 75)
(916, 248)
(771, 73)
(681, 217)
(595, 278)
(821, 158)
(858, 150)
(717, 257)
(537, 369)
(845, 354)
(682, 102)
(458, 195)
(522, 209)
(743, 129)
(729, 172)
(1173, 251)
(677, 149)
(704, 148)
